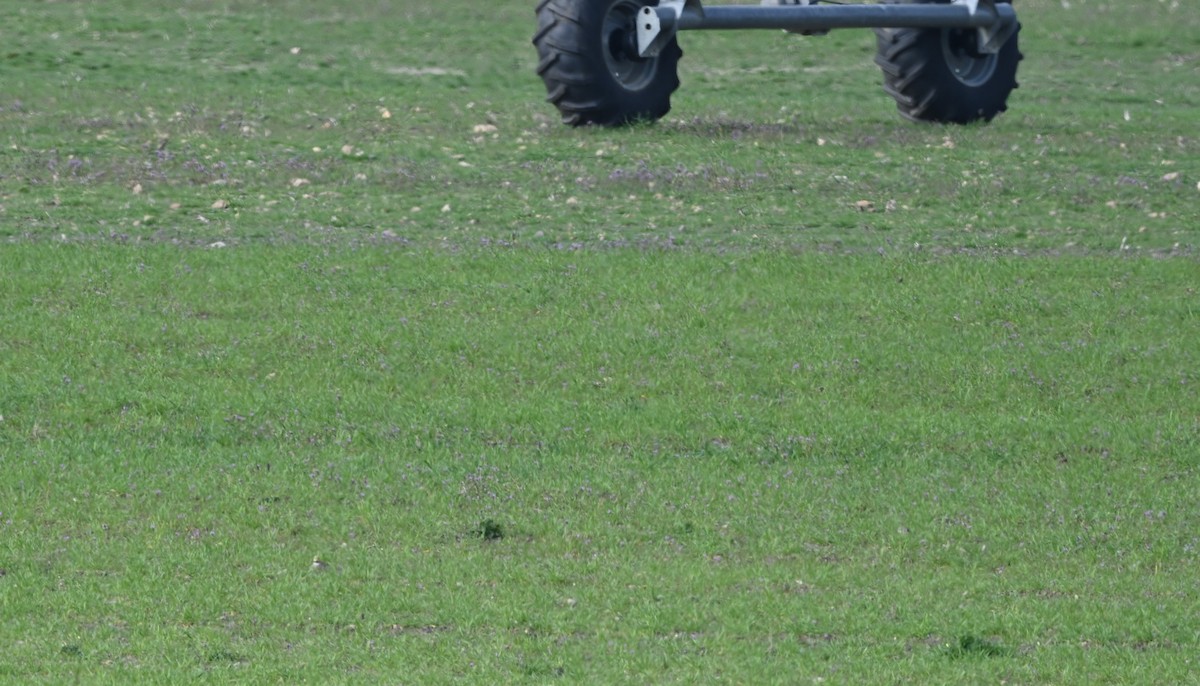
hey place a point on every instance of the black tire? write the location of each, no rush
(939, 75)
(587, 56)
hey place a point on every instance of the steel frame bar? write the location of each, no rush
(656, 25)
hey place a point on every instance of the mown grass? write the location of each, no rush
(716, 476)
(655, 405)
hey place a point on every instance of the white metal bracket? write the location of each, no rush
(656, 26)
(994, 36)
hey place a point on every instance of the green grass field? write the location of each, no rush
(781, 389)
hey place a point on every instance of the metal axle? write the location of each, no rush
(996, 22)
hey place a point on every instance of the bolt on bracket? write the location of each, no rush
(656, 26)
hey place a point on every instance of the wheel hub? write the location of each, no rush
(964, 59)
(619, 38)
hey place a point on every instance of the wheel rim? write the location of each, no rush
(619, 43)
(960, 47)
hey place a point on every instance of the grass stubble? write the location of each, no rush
(780, 389)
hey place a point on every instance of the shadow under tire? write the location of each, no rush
(587, 57)
(938, 75)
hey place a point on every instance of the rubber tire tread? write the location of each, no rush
(917, 77)
(572, 65)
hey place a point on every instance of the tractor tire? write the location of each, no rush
(588, 58)
(939, 75)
